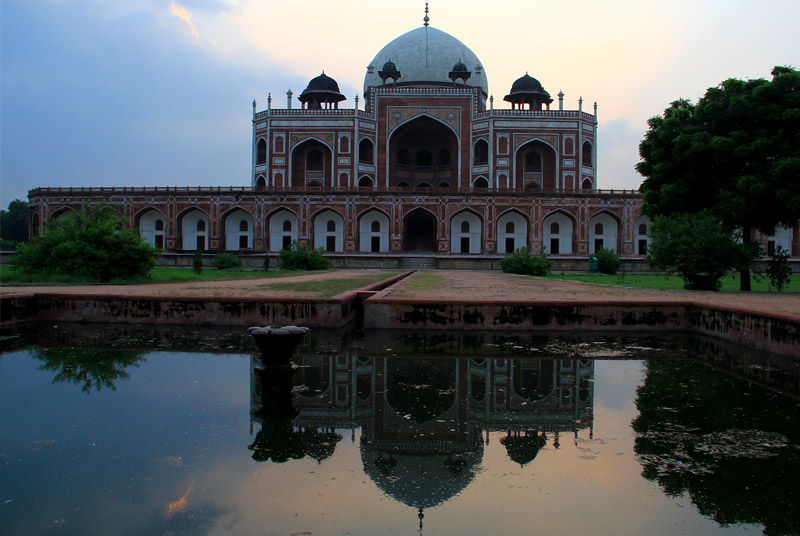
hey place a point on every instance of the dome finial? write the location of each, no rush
(426, 18)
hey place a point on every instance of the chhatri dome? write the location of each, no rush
(426, 56)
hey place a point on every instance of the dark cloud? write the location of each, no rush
(118, 94)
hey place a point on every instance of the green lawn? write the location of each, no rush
(159, 274)
(425, 281)
(327, 288)
(664, 282)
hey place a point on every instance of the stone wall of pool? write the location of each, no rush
(373, 307)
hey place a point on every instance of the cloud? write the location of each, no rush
(185, 15)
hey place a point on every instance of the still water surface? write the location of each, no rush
(136, 431)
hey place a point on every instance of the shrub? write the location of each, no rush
(266, 263)
(226, 261)
(297, 257)
(91, 244)
(607, 261)
(522, 262)
(197, 261)
(778, 269)
(698, 248)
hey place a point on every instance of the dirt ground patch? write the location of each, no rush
(244, 288)
(498, 287)
(450, 285)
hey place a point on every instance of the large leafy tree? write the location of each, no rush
(91, 244)
(735, 153)
(14, 222)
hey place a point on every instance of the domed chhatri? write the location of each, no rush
(426, 56)
(527, 90)
(389, 71)
(321, 90)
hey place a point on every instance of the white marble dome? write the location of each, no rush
(426, 55)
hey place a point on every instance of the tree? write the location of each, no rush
(735, 153)
(14, 222)
(778, 269)
(696, 247)
(91, 244)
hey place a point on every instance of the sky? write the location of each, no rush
(159, 93)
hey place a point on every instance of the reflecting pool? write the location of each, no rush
(154, 431)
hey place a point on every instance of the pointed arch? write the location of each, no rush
(480, 183)
(261, 183)
(238, 225)
(373, 231)
(151, 224)
(587, 154)
(559, 228)
(466, 228)
(194, 227)
(536, 165)
(512, 231)
(419, 230)
(261, 152)
(311, 163)
(366, 151)
(63, 212)
(480, 152)
(284, 226)
(603, 231)
(413, 147)
(328, 230)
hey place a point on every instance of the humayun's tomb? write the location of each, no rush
(428, 174)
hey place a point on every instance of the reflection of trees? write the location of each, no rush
(730, 445)
(93, 370)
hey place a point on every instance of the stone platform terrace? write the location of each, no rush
(459, 300)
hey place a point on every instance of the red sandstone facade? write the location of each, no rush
(425, 169)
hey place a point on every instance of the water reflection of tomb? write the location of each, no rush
(425, 420)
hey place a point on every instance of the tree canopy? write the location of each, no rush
(735, 153)
(14, 222)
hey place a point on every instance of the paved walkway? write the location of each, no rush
(453, 285)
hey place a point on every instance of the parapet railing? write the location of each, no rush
(486, 114)
(165, 190)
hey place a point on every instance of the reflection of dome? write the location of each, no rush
(420, 480)
(524, 448)
(426, 55)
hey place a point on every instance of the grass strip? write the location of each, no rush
(327, 288)
(158, 275)
(730, 283)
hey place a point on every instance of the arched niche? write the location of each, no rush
(329, 231)
(603, 229)
(512, 232)
(373, 232)
(557, 236)
(416, 150)
(465, 233)
(238, 230)
(283, 229)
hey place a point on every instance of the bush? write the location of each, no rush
(778, 269)
(91, 244)
(266, 263)
(226, 261)
(197, 261)
(522, 262)
(698, 248)
(607, 261)
(297, 257)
